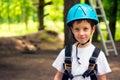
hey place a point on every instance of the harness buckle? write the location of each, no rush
(67, 59)
(67, 66)
(91, 66)
(93, 60)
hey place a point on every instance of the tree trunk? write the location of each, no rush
(67, 5)
(41, 15)
(112, 18)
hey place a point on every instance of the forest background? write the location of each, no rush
(32, 35)
(22, 17)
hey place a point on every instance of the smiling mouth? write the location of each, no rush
(81, 38)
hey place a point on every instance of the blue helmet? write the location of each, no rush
(81, 11)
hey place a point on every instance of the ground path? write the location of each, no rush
(38, 66)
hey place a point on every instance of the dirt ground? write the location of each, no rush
(21, 62)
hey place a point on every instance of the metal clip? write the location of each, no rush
(67, 66)
(93, 60)
(91, 66)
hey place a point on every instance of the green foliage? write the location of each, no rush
(54, 20)
(43, 36)
(17, 29)
(117, 34)
(55, 10)
(118, 14)
(14, 14)
(15, 11)
(107, 6)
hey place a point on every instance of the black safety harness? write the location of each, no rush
(92, 68)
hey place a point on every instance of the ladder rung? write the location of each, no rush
(97, 7)
(108, 41)
(100, 15)
(104, 32)
(109, 50)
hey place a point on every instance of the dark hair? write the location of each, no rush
(92, 22)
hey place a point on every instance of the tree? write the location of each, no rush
(41, 14)
(67, 5)
(111, 10)
(112, 19)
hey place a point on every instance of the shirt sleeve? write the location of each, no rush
(102, 64)
(58, 63)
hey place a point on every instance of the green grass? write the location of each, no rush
(55, 26)
(18, 29)
(8, 30)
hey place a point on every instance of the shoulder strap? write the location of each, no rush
(67, 63)
(68, 50)
(94, 55)
(96, 52)
(92, 64)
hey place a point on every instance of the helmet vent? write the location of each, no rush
(82, 10)
(75, 12)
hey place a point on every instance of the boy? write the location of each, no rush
(82, 21)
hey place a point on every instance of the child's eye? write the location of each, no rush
(85, 29)
(76, 29)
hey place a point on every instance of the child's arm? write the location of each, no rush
(58, 75)
(102, 77)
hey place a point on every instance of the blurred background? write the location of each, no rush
(32, 33)
(28, 16)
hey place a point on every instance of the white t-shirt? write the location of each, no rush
(84, 55)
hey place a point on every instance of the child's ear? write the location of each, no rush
(71, 29)
(93, 29)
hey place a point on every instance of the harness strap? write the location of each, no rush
(91, 68)
(92, 65)
(68, 62)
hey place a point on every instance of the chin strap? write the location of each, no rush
(85, 42)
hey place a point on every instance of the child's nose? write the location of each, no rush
(81, 32)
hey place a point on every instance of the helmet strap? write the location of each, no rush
(85, 42)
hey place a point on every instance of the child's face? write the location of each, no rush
(82, 31)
